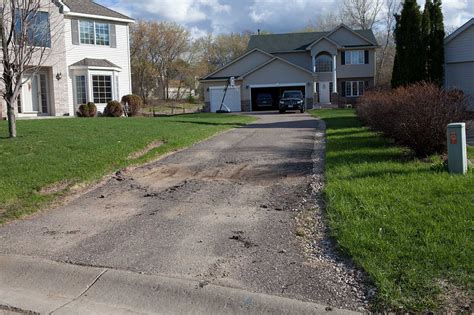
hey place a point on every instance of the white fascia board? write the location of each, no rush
(98, 17)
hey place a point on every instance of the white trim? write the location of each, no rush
(65, 8)
(276, 85)
(223, 87)
(95, 68)
(98, 17)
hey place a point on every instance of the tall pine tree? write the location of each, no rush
(426, 38)
(409, 66)
(437, 35)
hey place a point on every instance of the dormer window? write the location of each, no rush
(94, 33)
(323, 63)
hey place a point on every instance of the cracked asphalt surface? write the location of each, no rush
(222, 212)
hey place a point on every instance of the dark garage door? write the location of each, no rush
(275, 92)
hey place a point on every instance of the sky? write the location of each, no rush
(277, 16)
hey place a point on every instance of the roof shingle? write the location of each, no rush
(294, 41)
(90, 7)
(89, 62)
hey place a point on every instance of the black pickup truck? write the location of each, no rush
(292, 100)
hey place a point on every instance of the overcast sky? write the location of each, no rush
(277, 16)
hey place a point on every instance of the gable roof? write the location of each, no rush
(263, 65)
(89, 7)
(288, 42)
(457, 32)
(89, 62)
(234, 61)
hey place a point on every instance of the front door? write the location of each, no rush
(35, 95)
(324, 92)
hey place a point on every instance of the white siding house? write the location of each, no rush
(459, 60)
(88, 61)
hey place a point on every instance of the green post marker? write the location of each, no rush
(457, 148)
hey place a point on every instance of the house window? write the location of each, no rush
(323, 63)
(102, 34)
(33, 27)
(355, 88)
(94, 33)
(355, 57)
(81, 91)
(102, 88)
(86, 29)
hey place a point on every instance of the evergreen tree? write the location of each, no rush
(426, 38)
(437, 35)
(410, 65)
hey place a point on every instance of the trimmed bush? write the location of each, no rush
(415, 116)
(113, 109)
(87, 110)
(135, 103)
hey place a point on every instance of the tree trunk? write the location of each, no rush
(11, 119)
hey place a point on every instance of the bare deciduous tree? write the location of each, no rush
(326, 22)
(362, 13)
(168, 41)
(386, 52)
(26, 35)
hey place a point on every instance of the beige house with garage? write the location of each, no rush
(328, 67)
(459, 60)
(88, 60)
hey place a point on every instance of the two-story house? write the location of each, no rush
(88, 60)
(328, 67)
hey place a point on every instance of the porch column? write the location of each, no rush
(313, 59)
(334, 76)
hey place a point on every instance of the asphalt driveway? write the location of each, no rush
(224, 212)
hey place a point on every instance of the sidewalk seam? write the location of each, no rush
(82, 293)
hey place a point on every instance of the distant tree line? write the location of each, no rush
(164, 52)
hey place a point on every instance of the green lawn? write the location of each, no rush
(72, 151)
(406, 222)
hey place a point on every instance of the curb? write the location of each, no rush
(41, 286)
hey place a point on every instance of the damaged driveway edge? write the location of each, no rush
(45, 286)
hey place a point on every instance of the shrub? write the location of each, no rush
(87, 110)
(415, 116)
(191, 99)
(134, 102)
(113, 109)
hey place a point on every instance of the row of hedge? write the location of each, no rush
(415, 116)
(130, 105)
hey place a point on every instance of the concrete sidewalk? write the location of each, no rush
(37, 285)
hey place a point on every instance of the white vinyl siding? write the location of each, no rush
(355, 57)
(119, 56)
(354, 88)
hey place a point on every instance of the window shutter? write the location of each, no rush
(113, 36)
(343, 58)
(366, 52)
(343, 88)
(75, 31)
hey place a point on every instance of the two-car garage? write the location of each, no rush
(268, 97)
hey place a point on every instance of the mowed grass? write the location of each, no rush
(67, 152)
(408, 223)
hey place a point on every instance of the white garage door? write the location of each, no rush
(232, 98)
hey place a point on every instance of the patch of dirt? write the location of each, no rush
(148, 148)
(455, 299)
(56, 187)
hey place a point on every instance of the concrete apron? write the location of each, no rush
(36, 285)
